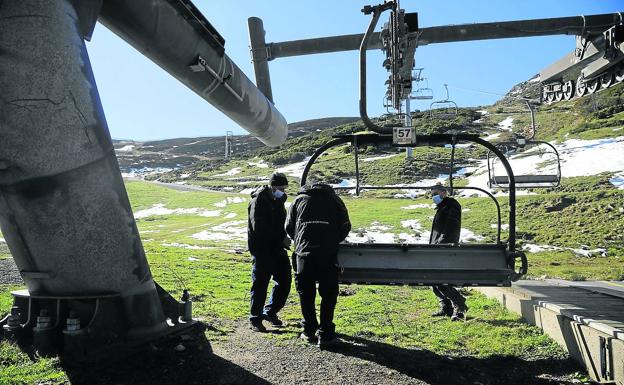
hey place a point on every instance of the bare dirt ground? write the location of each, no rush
(255, 358)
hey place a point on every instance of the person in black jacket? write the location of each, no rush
(317, 222)
(267, 242)
(446, 228)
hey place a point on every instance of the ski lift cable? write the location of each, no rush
(493, 93)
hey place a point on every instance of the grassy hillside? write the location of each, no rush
(186, 248)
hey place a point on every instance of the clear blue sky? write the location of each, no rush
(143, 102)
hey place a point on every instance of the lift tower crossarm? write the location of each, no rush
(574, 25)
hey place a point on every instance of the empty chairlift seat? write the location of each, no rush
(416, 264)
(534, 154)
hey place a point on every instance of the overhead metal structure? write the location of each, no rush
(64, 210)
(401, 35)
(420, 264)
(596, 63)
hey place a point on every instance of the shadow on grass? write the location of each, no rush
(163, 364)
(437, 369)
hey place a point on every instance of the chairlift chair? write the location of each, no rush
(423, 264)
(421, 93)
(528, 146)
(443, 109)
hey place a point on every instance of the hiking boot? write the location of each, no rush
(307, 338)
(459, 312)
(327, 342)
(273, 320)
(258, 327)
(443, 312)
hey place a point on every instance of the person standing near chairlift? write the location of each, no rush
(446, 228)
(267, 243)
(317, 222)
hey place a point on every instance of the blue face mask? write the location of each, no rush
(437, 199)
(278, 194)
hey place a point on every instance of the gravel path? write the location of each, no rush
(247, 358)
(9, 274)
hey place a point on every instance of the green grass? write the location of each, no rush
(217, 273)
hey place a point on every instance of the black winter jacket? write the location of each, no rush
(447, 222)
(317, 222)
(265, 224)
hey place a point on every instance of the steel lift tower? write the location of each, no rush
(64, 210)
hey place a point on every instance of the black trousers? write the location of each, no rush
(264, 267)
(309, 271)
(448, 296)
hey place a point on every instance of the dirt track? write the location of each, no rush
(253, 358)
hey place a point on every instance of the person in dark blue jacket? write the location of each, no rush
(267, 243)
(446, 228)
(317, 222)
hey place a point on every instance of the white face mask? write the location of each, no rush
(437, 199)
(278, 194)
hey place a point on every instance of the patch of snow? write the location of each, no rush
(374, 158)
(185, 246)
(160, 209)
(467, 236)
(419, 206)
(227, 231)
(294, 169)
(376, 226)
(535, 79)
(465, 210)
(506, 124)
(229, 201)
(145, 171)
(533, 248)
(248, 191)
(345, 183)
(492, 136)
(126, 148)
(192, 259)
(586, 252)
(189, 144)
(618, 181)
(234, 171)
(260, 164)
(184, 176)
(504, 226)
(370, 237)
(483, 112)
(2, 240)
(618, 129)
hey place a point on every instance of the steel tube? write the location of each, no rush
(64, 210)
(259, 57)
(160, 30)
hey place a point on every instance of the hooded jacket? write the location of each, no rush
(317, 222)
(446, 225)
(265, 224)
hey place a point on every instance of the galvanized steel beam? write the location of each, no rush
(175, 36)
